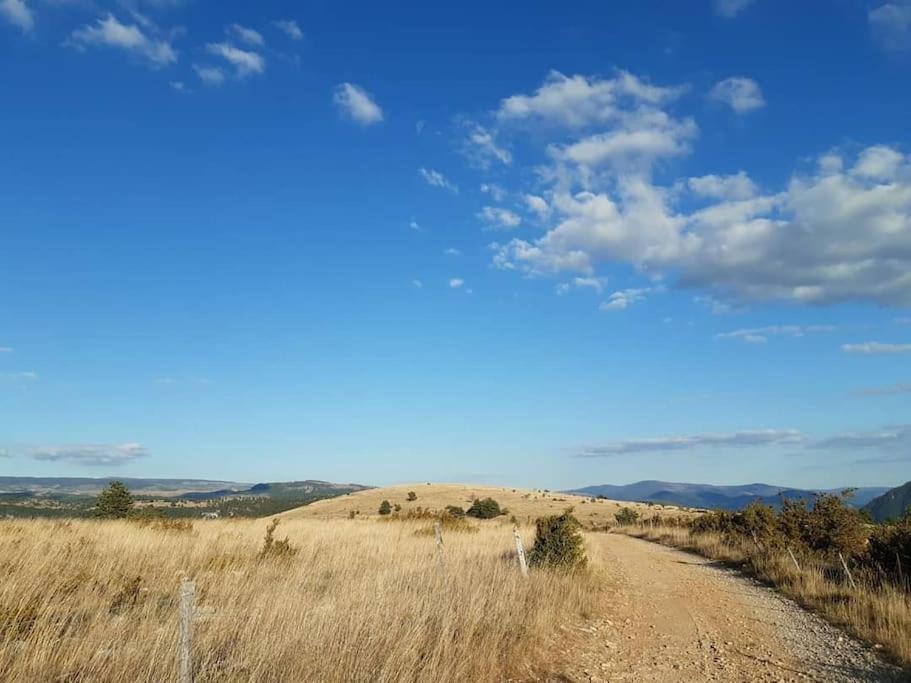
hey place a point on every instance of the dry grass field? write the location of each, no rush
(358, 600)
(525, 504)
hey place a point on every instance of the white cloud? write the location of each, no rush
(743, 439)
(456, 282)
(760, 335)
(18, 14)
(417, 283)
(890, 24)
(452, 252)
(6, 349)
(893, 390)
(90, 454)
(246, 35)
(210, 75)
(537, 205)
(483, 147)
(740, 94)
(886, 438)
(731, 187)
(110, 32)
(623, 299)
(498, 217)
(437, 179)
(876, 348)
(245, 62)
(576, 101)
(357, 104)
(495, 191)
(596, 284)
(731, 8)
(879, 162)
(26, 375)
(179, 86)
(290, 28)
(413, 224)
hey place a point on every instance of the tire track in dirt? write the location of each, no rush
(674, 616)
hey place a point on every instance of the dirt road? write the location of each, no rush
(673, 616)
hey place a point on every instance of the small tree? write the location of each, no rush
(626, 516)
(385, 507)
(558, 542)
(455, 511)
(484, 508)
(114, 502)
(412, 496)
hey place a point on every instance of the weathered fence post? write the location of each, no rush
(794, 559)
(520, 552)
(438, 531)
(847, 571)
(898, 565)
(185, 642)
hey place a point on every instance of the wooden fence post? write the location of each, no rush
(847, 571)
(438, 531)
(794, 559)
(520, 552)
(185, 642)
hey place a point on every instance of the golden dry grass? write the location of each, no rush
(360, 600)
(876, 613)
(525, 504)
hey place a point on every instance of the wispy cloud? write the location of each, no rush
(290, 28)
(498, 217)
(245, 62)
(890, 24)
(452, 251)
(18, 14)
(624, 298)
(595, 284)
(246, 35)
(482, 147)
(741, 439)
(6, 349)
(26, 375)
(89, 454)
(731, 8)
(891, 390)
(760, 335)
(357, 104)
(876, 348)
(494, 190)
(456, 282)
(210, 75)
(110, 32)
(886, 438)
(741, 94)
(437, 179)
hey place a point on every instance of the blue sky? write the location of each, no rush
(558, 246)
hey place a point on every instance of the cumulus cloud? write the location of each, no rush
(760, 335)
(731, 8)
(837, 231)
(18, 14)
(482, 147)
(357, 104)
(494, 190)
(500, 218)
(740, 94)
(876, 348)
(451, 251)
(742, 439)
(90, 454)
(290, 28)
(437, 179)
(537, 205)
(110, 32)
(245, 62)
(246, 35)
(890, 24)
(456, 282)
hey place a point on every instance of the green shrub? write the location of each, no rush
(889, 550)
(455, 511)
(484, 508)
(114, 502)
(412, 496)
(626, 516)
(558, 542)
(385, 508)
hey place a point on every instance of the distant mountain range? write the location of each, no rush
(716, 497)
(186, 489)
(890, 505)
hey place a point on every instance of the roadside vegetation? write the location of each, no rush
(827, 556)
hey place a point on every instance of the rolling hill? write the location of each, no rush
(890, 505)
